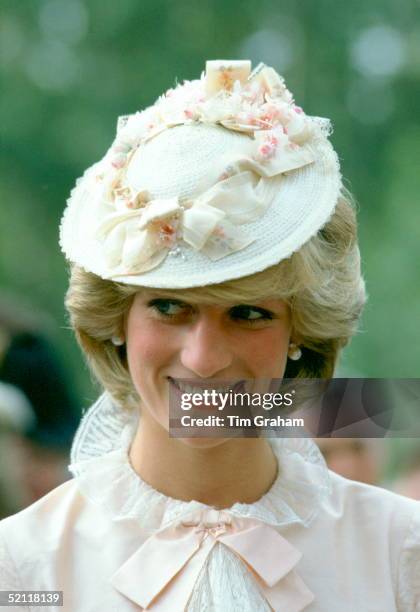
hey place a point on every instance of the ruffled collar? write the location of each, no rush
(105, 476)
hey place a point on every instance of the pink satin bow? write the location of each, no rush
(161, 574)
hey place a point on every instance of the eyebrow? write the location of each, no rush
(168, 295)
(157, 295)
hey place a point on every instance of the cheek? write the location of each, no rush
(148, 347)
(267, 352)
(143, 348)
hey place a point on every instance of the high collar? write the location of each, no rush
(101, 464)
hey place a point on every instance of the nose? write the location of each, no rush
(206, 349)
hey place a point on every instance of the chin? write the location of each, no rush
(203, 443)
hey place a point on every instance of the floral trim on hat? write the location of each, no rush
(250, 103)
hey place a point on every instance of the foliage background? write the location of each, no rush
(70, 67)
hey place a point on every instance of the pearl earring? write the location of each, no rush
(117, 340)
(294, 352)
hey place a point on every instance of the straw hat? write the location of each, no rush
(221, 178)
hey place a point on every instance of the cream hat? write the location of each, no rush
(221, 178)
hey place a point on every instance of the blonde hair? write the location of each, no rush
(321, 282)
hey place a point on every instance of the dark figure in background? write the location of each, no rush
(30, 363)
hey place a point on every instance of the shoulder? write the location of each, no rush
(409, 565)
(356, 497)
(382, 524)
(37, 530)
(372, 511)
(46, 511)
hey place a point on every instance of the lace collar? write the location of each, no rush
(101, 465)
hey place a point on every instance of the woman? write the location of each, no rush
(214, 242)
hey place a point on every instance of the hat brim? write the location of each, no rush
(302, 201)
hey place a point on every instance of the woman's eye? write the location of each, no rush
(250, 313)
(169, 308)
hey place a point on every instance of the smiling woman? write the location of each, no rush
(214, 241)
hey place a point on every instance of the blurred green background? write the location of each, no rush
(70, 67)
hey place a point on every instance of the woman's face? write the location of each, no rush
(170, 339)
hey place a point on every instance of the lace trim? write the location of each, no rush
(226, 584)
(100, 463)
(103, 428)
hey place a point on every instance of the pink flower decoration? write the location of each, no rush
(119, 160)
(269, 147)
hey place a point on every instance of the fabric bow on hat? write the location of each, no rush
(139, 239)
(160, 576)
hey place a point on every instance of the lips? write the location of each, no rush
(185, 385)
(211, 392)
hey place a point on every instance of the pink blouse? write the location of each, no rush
(314, 541)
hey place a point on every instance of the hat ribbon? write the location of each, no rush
(136, 240)
(160, 576)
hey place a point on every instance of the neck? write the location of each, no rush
(236, 470)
